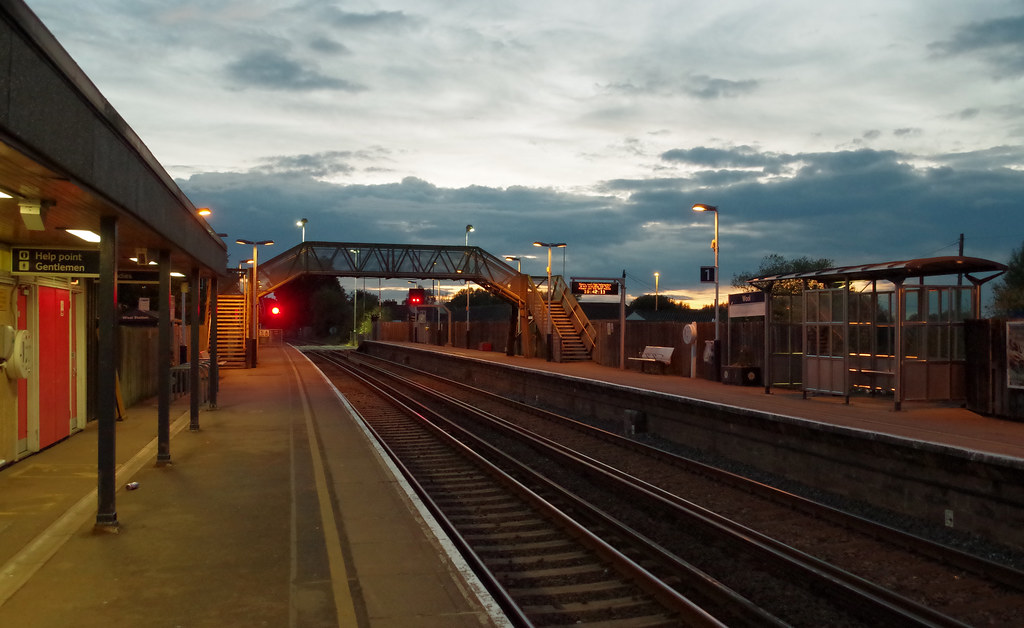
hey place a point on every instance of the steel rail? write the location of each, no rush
(855, 592)
(687, 610)
(981, 566)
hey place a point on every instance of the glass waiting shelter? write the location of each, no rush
(877, 329)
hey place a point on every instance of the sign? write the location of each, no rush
(138, 276)
(595, 287)
(62, 262)
(746, 304)
(707, 274)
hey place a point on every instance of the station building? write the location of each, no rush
(72, 168)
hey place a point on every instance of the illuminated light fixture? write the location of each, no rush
(175, 273)
(204, 211)
(85, 234)
(5, 194)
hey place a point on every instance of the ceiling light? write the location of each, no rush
(5, 194)
(175, 273)
(85, 234)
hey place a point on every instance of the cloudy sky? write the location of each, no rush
(861, 132)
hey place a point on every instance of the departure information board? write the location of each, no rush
(595, 287)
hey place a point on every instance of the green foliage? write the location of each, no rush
(327, 309)
(775, 264)
(646, 302)
(477, 298)
(1008, 294)
(296, 297)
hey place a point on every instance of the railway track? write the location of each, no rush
(739, 574)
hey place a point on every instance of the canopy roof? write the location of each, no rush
(897, 271)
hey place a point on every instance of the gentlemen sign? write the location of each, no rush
(63, 262)
(595, 287)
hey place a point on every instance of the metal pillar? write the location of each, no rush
(106, 382)
(214, 369)
(163, 358)
(193, 358)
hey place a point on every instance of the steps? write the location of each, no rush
(573, 349)
(231, 328)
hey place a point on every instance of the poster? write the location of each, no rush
(1015, 354)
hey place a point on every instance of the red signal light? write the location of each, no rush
(275, 310)
(417, 296)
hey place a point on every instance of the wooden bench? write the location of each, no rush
(655, 355)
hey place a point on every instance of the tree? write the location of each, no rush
(477, 298)
(1008, 294)
(296, 297)
(646, 302)
(775, 264)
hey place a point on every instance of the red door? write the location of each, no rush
(54, 374)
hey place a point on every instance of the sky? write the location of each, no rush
(859, 132)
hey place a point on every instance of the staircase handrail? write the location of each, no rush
(584, 328)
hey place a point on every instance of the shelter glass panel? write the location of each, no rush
(884, 307)
(838, 299)
(912, 300)
(914, 342)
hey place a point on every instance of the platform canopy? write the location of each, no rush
(896, 272)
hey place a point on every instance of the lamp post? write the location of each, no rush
(550, 245)
(469, 228)
(656, 275)
(302, 223)
(254, 288)
(700, 207)
(355, 289)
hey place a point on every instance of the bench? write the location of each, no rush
(655, 355)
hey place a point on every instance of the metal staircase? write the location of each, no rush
(572, 347)
(231, 327)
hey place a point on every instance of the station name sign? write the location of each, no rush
(595, 287)
(62, 262)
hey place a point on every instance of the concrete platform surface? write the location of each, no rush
(278, 511)
(942, 423)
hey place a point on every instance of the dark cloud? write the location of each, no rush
(735, 157)
(317, 165)
(709, 88)
(273, 70)
(328, 46)
(855, 206)
(1000, 42)
(384, 20)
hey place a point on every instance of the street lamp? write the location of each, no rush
(517, 260)
(656, 275)
(700, 207)
(254, 287)
(468, 229)
(355, 291)
(550, 245)
(302, 223)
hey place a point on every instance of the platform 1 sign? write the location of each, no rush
(60, 262)
(595, 287)
(707, 274)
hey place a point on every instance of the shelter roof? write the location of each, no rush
(896, 271)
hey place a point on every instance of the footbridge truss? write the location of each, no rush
(454, 263)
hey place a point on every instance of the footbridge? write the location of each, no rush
(574, 333)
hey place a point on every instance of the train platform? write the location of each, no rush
(278, 511)
(945, 424)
